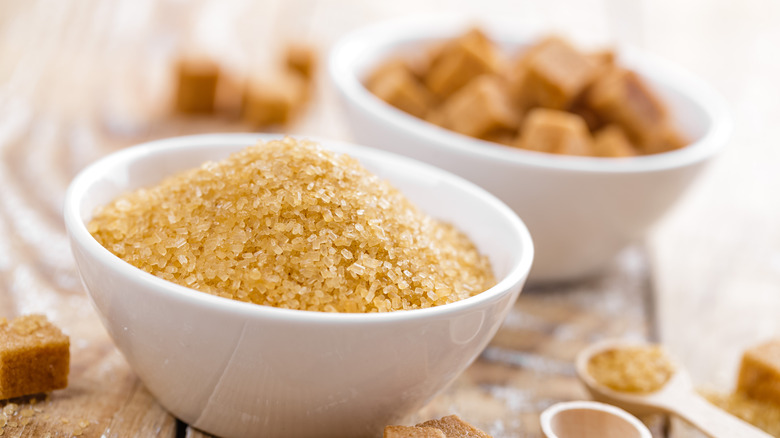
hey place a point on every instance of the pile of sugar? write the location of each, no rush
(640, 369)
(289, 224)
(763, 414)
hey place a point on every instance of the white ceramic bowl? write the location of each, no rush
(589, 419)
(581, 211)
(239, 369)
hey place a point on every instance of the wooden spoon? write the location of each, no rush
(676, 397)
(588, 419)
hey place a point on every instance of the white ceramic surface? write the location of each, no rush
(589, 419)
(581, 211)
(236, 369)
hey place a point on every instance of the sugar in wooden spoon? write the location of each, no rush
(675, 395)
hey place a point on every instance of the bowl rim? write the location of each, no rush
(80, 236)
(547, 416)
(393, 33)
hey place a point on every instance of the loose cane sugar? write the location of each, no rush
(638, 369)
(290, 224)
(757, 395)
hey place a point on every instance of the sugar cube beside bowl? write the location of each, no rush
(581, 211)
(236, 369)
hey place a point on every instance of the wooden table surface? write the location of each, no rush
(80, 79)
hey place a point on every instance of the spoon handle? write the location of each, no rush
(713, 421)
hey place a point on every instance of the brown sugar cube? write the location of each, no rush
(437, 117)
(557, 132)
(518, 71)
(590, 117)
(417, 66)
(759, 372)
(552, 75)
(454, 427)
(34, 357)
(674, 140)
(273, 102)
(502, 136)
(396, 85)
(621, 96)
(668, 139)
(385, 69)
(412, 432)
(229, 99)
(460, 61)
(603, 57)
(480, 107)
(301, 58)
(196, 85)
(611, 141)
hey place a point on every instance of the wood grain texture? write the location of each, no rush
(195, 433)
(716, 258)
(81, 79)
(529, 364)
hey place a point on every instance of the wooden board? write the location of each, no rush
(80, 80)
(529, 364)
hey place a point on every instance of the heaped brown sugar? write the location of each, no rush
(290, 224)
(412, 432)
(34, 357)
(639, 369)
(454, 427)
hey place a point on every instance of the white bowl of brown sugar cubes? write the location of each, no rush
(589, 147)
(280, 287)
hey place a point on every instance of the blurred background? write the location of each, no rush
(82, 78)
(111, 61)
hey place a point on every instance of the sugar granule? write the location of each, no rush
(763, 414)
(639, 369)
(289, 224)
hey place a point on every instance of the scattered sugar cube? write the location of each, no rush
(275, 101)
(34, 357)
(196, 85)
(759, 372)
(301, 58)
